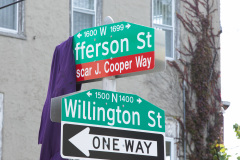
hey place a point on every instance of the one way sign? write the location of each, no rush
(105, 143)
(112, 144)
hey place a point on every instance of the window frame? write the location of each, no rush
(19, 32)
(171, 140)
(167, 27)
(85, 11)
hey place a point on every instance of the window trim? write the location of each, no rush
(12, 31)
(85, 11)
(19, 32)
(167, 27)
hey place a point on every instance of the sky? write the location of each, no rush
(230, 69)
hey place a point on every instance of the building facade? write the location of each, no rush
(29, 33)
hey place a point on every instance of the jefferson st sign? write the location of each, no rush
(98, 124)
(118, 49)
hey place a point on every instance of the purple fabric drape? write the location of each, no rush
(62, 81)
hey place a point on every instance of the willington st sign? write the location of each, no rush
(118, 49)
(111, 125)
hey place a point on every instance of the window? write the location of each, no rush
(163, 18)
(11, 17)
(169, 143)
(83, 15)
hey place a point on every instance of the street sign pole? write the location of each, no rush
(109, 83)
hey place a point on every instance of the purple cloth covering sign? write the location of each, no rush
(62, 81)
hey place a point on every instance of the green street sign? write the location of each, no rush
(115, 109)
(112, 41)
(118, 49)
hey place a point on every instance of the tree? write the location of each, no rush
(204, 118)
(236, 128)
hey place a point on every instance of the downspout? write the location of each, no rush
(184, 120)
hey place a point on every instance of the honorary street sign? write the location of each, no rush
(111, 125)
(118, 49)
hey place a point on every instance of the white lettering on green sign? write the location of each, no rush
(113, 47)
(113, 109)
(88, 110)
